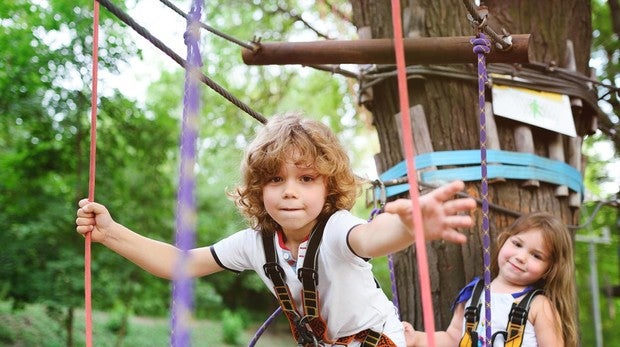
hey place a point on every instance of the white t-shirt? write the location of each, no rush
(350, 298)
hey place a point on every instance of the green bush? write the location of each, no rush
(233, 325)
(29, 327)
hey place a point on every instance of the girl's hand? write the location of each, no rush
(93, 218)
(440, 213)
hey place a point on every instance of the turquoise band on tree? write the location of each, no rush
(501, 164)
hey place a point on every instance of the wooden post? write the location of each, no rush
(574, 147)
(574, 159)
(556, 152)
(418, 50)
(421, 135)
(492, 137)
(524, 142)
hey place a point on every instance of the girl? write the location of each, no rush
(295, 174)
(536, 251)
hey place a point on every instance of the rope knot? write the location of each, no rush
(482, 45)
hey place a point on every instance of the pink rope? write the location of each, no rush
(420, 244)
(91, 177)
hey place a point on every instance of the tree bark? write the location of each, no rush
(451, 108)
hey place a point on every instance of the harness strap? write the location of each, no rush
(472, 317)
(276, 274)
(308, 274)
(517, 319)
(305, 329)
(310, 330)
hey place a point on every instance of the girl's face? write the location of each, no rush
(294, 198)
(524, 258)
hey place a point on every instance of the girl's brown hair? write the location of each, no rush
(558, 282)
(309, 143)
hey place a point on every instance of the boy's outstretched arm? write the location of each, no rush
(158, 258)
(393, 230)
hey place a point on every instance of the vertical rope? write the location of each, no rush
(182, 291)
(420, 244)
(390, 259)
(91, 177)
(482, 46)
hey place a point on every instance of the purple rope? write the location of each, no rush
(264, 327)
(182, 290)
(482, 46)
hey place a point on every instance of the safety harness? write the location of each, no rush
(517, 319)
(310, 329)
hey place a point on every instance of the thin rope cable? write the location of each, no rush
(420, 244)
(125, 18)
(182, 290)
(209, 28)
(264, 326)
(482, 46)
(88, 316)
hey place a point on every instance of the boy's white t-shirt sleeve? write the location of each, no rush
(239, 251)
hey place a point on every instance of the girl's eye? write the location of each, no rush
(276, 179)
(307, 178)
(517, 243)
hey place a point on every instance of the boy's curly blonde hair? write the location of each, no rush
(309, 143)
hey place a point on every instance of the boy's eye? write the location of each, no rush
(307, 178)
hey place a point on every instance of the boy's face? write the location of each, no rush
(294, 198)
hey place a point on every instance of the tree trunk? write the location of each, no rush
(451, 109)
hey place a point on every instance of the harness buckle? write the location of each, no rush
(273, 270)
(305, 335)
(472, 314)
(304, 273)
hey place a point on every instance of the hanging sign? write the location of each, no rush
(547, 110)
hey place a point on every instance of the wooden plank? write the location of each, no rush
(524, 142)
(492, 136)
(421, 135)
(418, 50)
(574, 159)
(574, 148)
(556, 152)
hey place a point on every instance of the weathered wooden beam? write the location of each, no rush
(492, 136)
(524, 142)
(419, 50)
